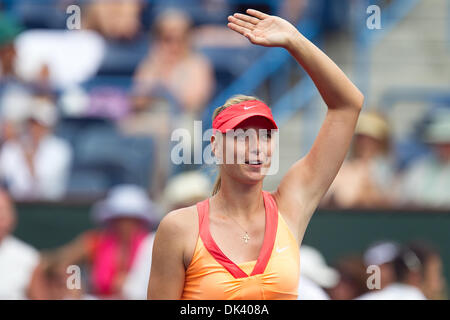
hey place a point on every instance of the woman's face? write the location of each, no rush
(245, 153)
(366, 147)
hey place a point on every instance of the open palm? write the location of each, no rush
(262, 29)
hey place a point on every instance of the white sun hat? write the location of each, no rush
(313, 266)
(127, 201)
(380, 253)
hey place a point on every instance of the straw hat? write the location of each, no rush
(187, 187)
(373, 125)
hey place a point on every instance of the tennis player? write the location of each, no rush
(243, 242)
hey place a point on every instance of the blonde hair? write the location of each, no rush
(231, 101)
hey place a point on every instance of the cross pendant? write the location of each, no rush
(246, 238)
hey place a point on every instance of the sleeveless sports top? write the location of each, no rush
(212, 276)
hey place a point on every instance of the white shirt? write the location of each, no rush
(17, 263)
(427, 183)
(395, 291)
(136, 284)
(309, 290)
(51, 166)
(72, 56)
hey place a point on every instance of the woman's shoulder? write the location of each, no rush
(179, 232)
(183, 221)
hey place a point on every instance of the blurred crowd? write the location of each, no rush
(88, 114)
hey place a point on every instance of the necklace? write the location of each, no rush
(245, 237)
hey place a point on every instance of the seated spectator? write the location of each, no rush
(427, 182)
(37, 164)
(366, 178)
(115, 20)
(186, 189)
(59, 59)
(173, 65)
(352, 278)
(9, 29)
(418, 269)
(382, 254)
(15, 101)
(315, 275)
(125, 218)
(13, 95)
(150, 118)
(18, 260)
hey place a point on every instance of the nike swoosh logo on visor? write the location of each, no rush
(246, 108)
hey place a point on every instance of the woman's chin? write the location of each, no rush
(254, 173)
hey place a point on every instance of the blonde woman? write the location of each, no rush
(242, 243)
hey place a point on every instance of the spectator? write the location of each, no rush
(9, 29)
(110, 252)
(50, 281)
(115, 20)
(427, 182)
(173, 65)
(186, 189)
(37, 164)
(382, 254)
(13, 95)
(154, 122)
(352, 279)
(18, 260)
(15, 101)
(418, 270)
(315, 275)
(365, 180)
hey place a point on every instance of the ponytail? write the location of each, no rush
(216, 186)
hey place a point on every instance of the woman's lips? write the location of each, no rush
(254, 164)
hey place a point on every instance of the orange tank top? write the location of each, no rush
(274, 275)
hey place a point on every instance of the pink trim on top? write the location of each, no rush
(266, 249)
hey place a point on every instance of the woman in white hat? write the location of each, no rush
(125, 218)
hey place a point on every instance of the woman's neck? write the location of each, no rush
(237, 199)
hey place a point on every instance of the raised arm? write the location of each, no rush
(310, 177)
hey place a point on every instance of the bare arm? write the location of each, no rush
(168, 271)
(309, 178)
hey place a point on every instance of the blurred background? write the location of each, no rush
(86, 118)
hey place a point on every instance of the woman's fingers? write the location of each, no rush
(238, 29)
(241, 23)
(257, 14)
(246, 18)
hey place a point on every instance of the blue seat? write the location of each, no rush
(40, 14)
(123, 57)
(138, 159)
(87, 181)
